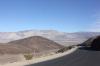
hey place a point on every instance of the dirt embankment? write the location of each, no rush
(40, 59)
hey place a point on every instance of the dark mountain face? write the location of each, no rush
(32, 44)
(96, 43)
(93, 43)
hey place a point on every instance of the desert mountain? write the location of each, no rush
(62, 38)
(34, 44)
(93, 43)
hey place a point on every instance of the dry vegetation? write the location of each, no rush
(64, 49)
(28, 56)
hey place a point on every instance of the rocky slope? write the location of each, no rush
(34, 44)
(92, 43)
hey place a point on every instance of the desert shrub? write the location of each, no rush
(28, 56)
(64, 49)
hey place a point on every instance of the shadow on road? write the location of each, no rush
(88, 48)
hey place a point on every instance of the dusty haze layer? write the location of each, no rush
(62, 38)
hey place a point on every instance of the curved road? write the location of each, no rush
(81, 57)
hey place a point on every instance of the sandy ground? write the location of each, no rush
(41, 59)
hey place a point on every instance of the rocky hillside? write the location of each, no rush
(34, 44)
(93, 43)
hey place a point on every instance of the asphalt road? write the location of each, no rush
(81, 57)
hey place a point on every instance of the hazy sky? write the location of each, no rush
(62, 15)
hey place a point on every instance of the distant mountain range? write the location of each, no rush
(62, 38)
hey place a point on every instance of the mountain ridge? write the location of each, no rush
(62, 38)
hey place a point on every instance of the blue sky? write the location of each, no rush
(61, 15)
